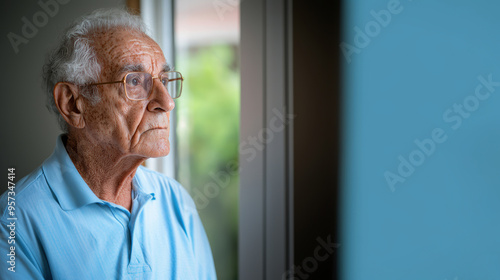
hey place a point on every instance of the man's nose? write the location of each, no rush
(160, 98)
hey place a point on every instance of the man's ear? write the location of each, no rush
(69, 103)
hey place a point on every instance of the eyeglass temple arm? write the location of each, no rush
(182, 79)
(96, 84)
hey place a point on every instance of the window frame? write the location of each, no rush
(266, 182)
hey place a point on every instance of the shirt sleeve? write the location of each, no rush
(17, 262)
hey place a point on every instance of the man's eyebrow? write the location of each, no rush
(166, 68)
(132, 68)
(140, 68)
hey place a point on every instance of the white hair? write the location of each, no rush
(74, 59)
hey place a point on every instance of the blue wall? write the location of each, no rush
(429, 210)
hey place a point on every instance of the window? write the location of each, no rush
(206, 137)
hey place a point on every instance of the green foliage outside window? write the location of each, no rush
(207, 141)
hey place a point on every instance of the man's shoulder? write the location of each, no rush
(156, 181)
(166, 186)
(26, 194)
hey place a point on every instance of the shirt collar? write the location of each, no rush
(140, 188)
(63, 178)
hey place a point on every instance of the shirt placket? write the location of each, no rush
(138, 264)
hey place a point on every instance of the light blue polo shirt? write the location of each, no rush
(64, 231)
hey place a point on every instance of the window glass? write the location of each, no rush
(206, 46)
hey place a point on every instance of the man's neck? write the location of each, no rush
(108, 173)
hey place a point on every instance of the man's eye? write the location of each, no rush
(134, 80)
(164, 81)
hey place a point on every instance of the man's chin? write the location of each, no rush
(160, 150)
(160, 154)
(154, 148)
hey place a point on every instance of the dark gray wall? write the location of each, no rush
(28, 131)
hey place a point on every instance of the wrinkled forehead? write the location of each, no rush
(122, 50)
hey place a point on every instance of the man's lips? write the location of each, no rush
(157, 128)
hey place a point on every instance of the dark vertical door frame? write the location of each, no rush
(289, 181)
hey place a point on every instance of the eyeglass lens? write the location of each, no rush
(140, 84)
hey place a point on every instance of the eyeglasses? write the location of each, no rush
(139, 85)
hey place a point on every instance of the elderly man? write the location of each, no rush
(91, 211)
